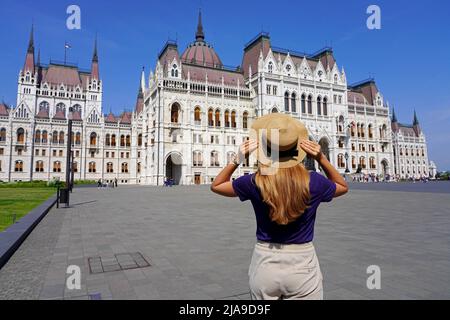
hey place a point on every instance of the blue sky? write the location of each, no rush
(409, 57)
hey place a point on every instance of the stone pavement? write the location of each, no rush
(199, 246)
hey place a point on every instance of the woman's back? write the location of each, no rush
(299, 231)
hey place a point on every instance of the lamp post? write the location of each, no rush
(346, 163)
(69, 156)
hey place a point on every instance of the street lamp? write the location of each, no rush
(69, 158)
(346, 163)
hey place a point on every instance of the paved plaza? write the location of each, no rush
(198, 245)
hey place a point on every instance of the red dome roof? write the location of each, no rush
(201, 53)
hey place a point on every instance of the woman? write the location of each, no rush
(285, 198)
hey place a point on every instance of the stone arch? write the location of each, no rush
(173, 167)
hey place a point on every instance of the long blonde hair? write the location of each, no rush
(286, 192)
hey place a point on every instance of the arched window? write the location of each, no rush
(325, 106)
(233, 119)
(44, 136)
(197, 115)
(109, 167)
(245, 120)
(363, 131)
(215, 159)
(309, 104)
(37, 136)
(174, 71)
(124, 167)
(341, 124)
(197, 159)
(55, 137)
(174, 113)
(61, 137)
(140, 139)
(227, 119)
(230, 156)
(122, 140)
(372, 163)
(353, 162)
(303, 104)
(39, 166)
(57, 166)
(78, 138)
(341, 163)
(61, 108)
(217, 118)
(362, 162)
(44, 106)
(93, 139)
(18, 166)
(76, 108)
(2, 135)
(274, 110)
(286, 101)
(20, 135)
(370, 129)
(92, 168)
(293, 102)
(319, 105)
(108, 140)
(270, 67)
(113, 140)
(128, 140)
(210, 118)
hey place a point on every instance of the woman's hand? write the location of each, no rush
(312, 148)
(246, 149)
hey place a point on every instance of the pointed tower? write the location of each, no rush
(38, 63)
(29, 60)
(143, 79)
(95, 74)
(416, 125)
(394, 122)
(140, 97)
(199, 35)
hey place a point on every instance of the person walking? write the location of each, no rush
(115, 182)
(285, 198)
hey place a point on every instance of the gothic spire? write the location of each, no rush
(95, 55)
(29, 59)
(416, 121)
(31, 41)
(199, 35)
(95, 73)
(394, 117)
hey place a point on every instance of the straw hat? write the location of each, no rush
(290, 133)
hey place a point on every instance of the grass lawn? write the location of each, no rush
(20, 201)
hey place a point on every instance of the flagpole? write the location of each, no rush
(65, 52)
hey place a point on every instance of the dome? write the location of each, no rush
(200, 52)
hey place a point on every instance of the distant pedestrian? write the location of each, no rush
(285, 197)
(99, 183)
(115, 182)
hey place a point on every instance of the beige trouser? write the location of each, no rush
(288, 271)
